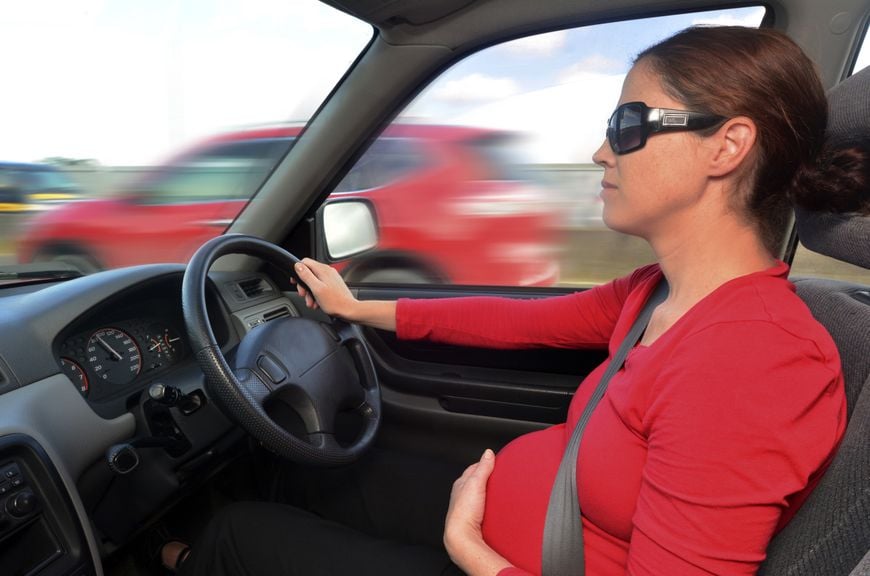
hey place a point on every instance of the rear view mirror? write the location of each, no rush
(349, 228)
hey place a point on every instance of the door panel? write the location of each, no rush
(456, 401)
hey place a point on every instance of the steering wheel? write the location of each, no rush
(320, 370)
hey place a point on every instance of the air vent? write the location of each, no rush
(250, 288)
(276, 313)
(260, 318)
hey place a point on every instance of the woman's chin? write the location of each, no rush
(612, 221)
(622, 225)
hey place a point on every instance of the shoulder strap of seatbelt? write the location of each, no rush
(563, 528)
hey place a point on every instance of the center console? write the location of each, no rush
(40, 534)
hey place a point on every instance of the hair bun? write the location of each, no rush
(839, 181)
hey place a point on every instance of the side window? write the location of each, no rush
(198, 183)
(25, 181)
(388, 160)
(863, 58)
(51, 179)
(487, 177)
(808, 263)
(231, 171)
(10, 192)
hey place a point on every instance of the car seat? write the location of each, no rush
(830, 535)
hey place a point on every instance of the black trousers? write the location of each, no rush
(263, 539)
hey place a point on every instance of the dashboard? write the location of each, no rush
(76, 361)
(112, 352)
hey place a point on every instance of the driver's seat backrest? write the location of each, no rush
(830, 535)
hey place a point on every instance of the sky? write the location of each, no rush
(558, 89)
(127, 83)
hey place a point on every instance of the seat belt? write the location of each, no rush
(563, 529)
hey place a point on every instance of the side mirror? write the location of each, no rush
(349, 228)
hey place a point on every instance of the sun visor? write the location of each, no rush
(385, 13)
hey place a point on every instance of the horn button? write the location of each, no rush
(271, 369)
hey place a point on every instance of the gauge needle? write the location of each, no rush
(108, 348)
(156, 345)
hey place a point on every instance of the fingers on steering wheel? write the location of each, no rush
(304, 273)
(304, 269)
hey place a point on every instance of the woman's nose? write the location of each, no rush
(604, 156)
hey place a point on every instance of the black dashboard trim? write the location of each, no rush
(58, 508)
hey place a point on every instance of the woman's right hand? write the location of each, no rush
(327, 289)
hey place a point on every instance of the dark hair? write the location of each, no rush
(836, 184)
(763, 75)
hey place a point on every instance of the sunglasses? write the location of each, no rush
(633, 122)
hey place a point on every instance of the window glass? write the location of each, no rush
(10, 192)
(808, 263)
(199, 184)
(386, 161)
(106, 91)
(863, 59)
(45, 180)
(507, 193)
(226, 171)
(6, 180)
(9, 196)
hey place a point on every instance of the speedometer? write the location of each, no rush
(114, 356)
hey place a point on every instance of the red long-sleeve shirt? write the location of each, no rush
(704, 444)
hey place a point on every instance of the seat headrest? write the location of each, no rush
(845, 237)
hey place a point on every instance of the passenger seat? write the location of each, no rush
(830, 535)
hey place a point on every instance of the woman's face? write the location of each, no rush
(651, 190)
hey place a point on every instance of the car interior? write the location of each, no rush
(219, 372)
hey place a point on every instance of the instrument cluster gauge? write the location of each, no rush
(113, 356)
(77, 374)
(163, 344)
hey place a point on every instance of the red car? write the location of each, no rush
(448, 206)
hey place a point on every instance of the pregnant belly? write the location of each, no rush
(518, 493)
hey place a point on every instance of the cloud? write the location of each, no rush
(751, 19)
(562, 124)
(594, 64)
(539, 44)
(476, 88)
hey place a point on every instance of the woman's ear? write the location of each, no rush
(731, 144)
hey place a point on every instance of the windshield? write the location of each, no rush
(171, 116)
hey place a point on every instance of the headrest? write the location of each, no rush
(845, 237)
(849, 110)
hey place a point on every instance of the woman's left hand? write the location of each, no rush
(463, 534)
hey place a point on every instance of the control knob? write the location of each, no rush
(22, 503)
